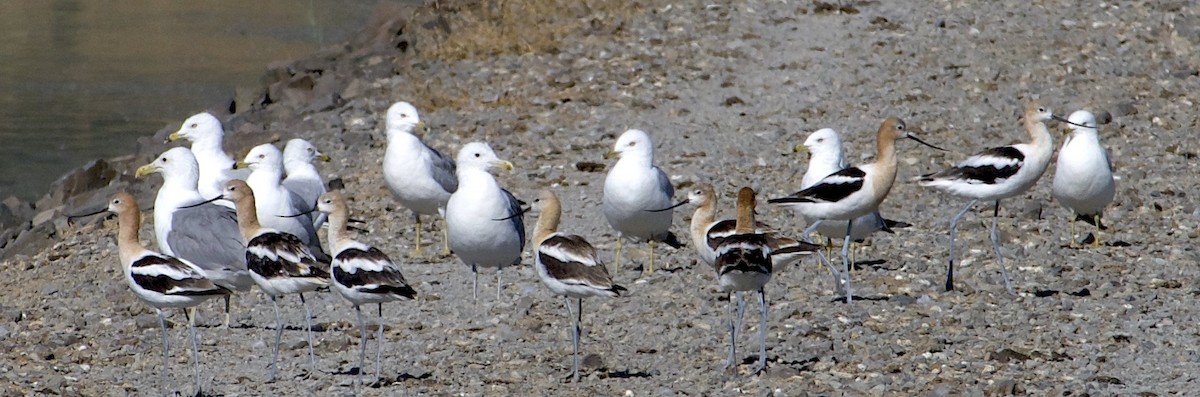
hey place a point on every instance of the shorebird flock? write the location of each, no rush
(221, 230)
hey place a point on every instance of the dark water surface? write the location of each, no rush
(83, 79)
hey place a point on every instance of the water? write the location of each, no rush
(81, 80)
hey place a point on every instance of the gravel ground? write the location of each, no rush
(725, 89)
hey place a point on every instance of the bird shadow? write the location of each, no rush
(1046, 293)
(1090, 240)
(626, 374)
(874, 264)
(878, 298)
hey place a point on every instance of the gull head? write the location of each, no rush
(632, 142)
(301, 151)
(263, 156)
(176, 161)
(403, 117)
(479, 155)
(1082, 120)
(199, 127)
(822, 142)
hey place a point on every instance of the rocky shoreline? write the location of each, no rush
(725, 90)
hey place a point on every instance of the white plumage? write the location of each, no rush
(1083, 177)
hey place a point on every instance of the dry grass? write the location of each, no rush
(478, 29)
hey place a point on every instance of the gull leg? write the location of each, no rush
(839, 289)
(362, 352)
(312, 357)
(278, 336)
(846, 261)
(228, 321)
(762, 332)
(498, 285)
(379, 346)
(1096, 240)
(651, 255)
(162, 323)
(445, 238)
(996, 247)
(1074, 236)
(953, 225)
(195, 349)
(417, 243)
(475, 284)
(617, 255)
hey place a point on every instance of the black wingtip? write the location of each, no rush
(618, 289)
(789, 200)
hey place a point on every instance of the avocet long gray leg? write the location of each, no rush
(195, 349)
(762, 332)
(162, 324)
(312, 356)
(846, 261)
(953, 226)
(839, 289)
(996, 247)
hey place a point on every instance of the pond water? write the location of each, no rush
(81, 80)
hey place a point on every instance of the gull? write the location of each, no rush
(207, 136)
(302, 176)
(743, 263)
(421, 178)
(996, 174)
(569, 266)
(1083, 178)
(361, 273)
(160, 281)
(279, 208)
(483, 220)
(637, 195)
(205, 235)
(280, 263)
(854, 191)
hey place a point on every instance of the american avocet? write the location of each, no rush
(302, 176)
(207, 136)
(361, 273)
(276, 205)
(159, 280)
(743, 263)
(707, 232)
(420, 177)
(484, 220)
(996, 174)
(853, 192)
(637, 195)
(1083, 178)
(206, 235)
(569, 266)
(279, 262)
